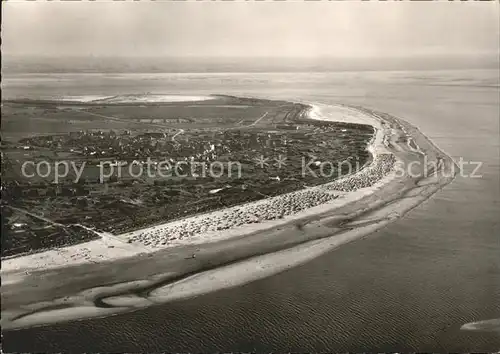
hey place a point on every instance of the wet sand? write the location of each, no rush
(136, 282)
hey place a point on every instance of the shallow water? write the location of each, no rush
(410, 286)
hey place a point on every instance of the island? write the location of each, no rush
(114, 203)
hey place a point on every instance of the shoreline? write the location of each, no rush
(266, 248)
(211, 226)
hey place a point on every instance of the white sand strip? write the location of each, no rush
(142, 98)
(81, 99)
(154, 98)
(483, 326)
(104, 249)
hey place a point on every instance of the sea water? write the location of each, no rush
(408, 287)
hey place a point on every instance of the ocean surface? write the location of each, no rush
(408, 287)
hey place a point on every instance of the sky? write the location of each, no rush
(249, 29)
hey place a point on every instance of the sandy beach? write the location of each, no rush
(228, 223)
(230, 246)
(135, 98)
